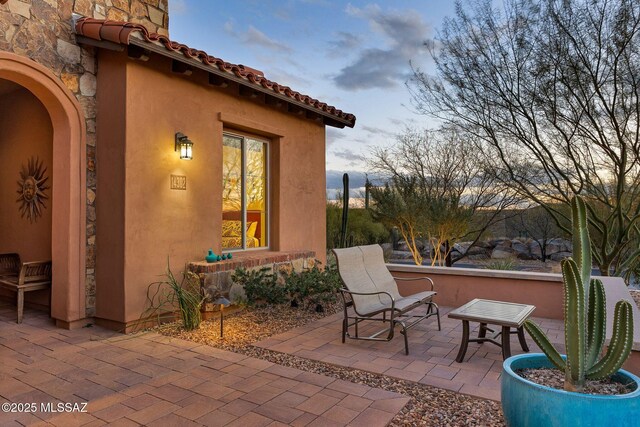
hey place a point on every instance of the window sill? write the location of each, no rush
(247, 259)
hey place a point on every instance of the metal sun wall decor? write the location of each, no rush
(31, 188)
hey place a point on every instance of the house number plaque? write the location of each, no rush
(178, 182)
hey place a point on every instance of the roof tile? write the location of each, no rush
(120, 33)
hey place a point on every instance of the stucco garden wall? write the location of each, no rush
(182, 224)
(457, 286)
(42, 31)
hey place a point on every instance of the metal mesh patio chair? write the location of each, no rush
(372, 293)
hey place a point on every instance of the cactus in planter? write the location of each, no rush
(345, 210)
(585, 317)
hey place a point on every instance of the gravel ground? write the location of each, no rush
(429, 406)
(555, 378)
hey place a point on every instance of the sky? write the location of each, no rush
(353, 55)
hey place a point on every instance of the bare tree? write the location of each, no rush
(437, 186)
(551, 91)
(538, 225)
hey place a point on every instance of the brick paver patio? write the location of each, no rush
(432, 353)
(152, 379)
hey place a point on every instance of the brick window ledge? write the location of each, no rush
(248, 259)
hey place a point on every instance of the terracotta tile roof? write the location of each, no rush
(120, 33)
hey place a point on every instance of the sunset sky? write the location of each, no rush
(353, 55)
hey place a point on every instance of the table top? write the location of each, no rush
(493, 312)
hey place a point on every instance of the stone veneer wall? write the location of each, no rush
(216, 277)
(42, 30)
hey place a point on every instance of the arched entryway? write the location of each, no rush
(68, 161)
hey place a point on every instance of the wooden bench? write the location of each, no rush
(23, 277)
(9, 264)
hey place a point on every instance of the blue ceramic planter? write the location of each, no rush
(526, 404)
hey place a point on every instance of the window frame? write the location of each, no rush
(243, 179)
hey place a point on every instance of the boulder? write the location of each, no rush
(502, 252)
(534, 249)
(461, 247)
(401, 255)
(386, 247)
(526, 256)
(478, 251)
(501, 241)
(402, 246)
(519, 247)
(484, 244)
(564, 244)
(559, 256)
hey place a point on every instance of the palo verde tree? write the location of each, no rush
(550, 89)
(437, 190)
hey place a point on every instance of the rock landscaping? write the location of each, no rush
(521, 248)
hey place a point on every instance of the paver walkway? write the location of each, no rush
(152, 379)
(432, 353)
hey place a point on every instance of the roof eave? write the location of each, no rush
(328, 119)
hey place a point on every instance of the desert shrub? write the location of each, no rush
(166, 295)
(502, 264)
(362, 228)
(314, 287)
(260, 286)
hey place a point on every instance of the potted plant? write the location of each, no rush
(526, 403)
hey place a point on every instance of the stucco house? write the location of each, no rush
(130, 149)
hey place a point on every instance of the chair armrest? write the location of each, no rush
(9, 264)
(393, 301)
(34, 271)
(407, 279)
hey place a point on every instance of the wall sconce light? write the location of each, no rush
(184, 145)
(223, 302)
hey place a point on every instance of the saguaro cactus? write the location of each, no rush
(585, 316)
(345, 210)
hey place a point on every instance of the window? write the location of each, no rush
(244, 193)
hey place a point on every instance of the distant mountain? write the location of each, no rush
(356, 182)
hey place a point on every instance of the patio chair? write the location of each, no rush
(373, 294)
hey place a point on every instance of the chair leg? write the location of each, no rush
(20, 305)
(345, 324)
(406, 340)
(437, 311)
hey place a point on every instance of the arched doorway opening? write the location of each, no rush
(38, 90)
(26, 159)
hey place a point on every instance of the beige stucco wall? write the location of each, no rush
(26, 132)
(159, 222)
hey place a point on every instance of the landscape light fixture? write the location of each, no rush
(184, 145)
(223, 302)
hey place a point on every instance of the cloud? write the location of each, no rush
(254, 37)
(348, 154)
(286, 78)
(382, 67)
(333, 135)
(345, 41)
(377, 131)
